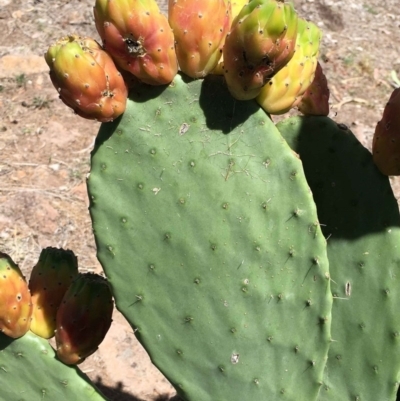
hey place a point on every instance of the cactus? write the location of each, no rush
(15, 299)
(83, 318)
(315, 101)
(385, 144)
(29, 370)
(138, 37)
(208, 262)
(199, 29)
(249, 269)
(361, 218)
(261, 41)
(98, 90)
(49, 280)
(288, 85)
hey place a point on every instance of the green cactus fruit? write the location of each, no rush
(83, 318)
(208, 233)
(261, 41)
(49, 280)
(386, 141)
(138, 37)
(199, 27)
(15, 299)
(315, 101)
(360, 216)
(289, 84)
(86, 78)
(30, 371)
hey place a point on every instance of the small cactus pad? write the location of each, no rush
(209, 237)
(30, 371)
(360, 218)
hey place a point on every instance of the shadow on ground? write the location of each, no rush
(117, 393)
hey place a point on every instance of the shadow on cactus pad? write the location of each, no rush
(359, 216)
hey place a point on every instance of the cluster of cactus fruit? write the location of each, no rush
(253, 260)
(58, 301)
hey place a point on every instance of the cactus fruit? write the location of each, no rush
(315, 101)
(199, 27)
(236, 6)
(208, 234)
(49, 280)
(138, 37)
(83, 318)
(288, 85)
(15, 299)
(86, 78)
(261, 41)
(386, 141)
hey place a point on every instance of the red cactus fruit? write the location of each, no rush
(87, 78)
(138, 37)
(83, 318)
(386, 141)
(50, 279)
(199, 27)
(315, 101)
(15, 299)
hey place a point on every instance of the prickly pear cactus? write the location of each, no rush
(360, 217)
(209, 237)
(30, 371)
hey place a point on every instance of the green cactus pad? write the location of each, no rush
(29, 371)
(208, 234)
(360, 218)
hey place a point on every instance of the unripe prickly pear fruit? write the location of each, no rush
(386, 141)
(289, 84)
(87, 78)
(83, 318)
(50, 279)
(261, 41)
(15, 299)
(199, 27)
(138, 37)
(315, 101)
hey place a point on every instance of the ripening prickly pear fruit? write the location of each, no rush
(83, 318)
(236, 7)
(87, 78)
(315, 101)
(199, 27)
(261, 41)
(138, 37)
(289, 84)
(15, 299)
(386, 141)
(50, 279)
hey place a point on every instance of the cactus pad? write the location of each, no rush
(208, 234)
(30, 371)
(360, 216)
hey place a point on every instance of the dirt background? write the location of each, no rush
(45, 148)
